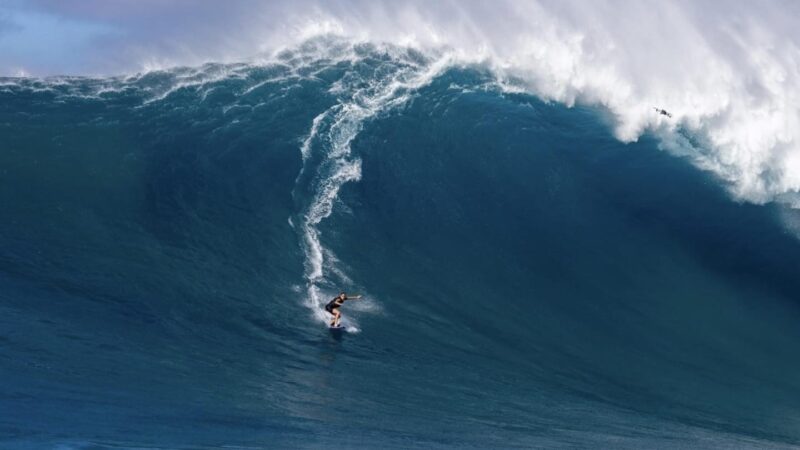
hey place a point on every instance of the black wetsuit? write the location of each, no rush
(333, 304)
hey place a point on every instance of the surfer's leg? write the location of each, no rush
(336, 316)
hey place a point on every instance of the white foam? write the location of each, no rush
(305, 148)
(196, 79)
(321, 208)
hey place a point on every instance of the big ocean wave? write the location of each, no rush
(538, 270)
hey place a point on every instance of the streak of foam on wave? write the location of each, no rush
(331, 135)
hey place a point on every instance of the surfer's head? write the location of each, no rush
(342, 295)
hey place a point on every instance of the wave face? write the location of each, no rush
(728, 76)
(169, 238)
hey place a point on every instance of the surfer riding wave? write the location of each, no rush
(333, 307)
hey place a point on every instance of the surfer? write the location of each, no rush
(663, 112)
(333, 307)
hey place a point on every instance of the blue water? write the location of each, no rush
(167, 241)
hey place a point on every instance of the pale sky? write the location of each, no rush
(49, 37)
(54, 37)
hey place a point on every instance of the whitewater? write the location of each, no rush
(547, 261)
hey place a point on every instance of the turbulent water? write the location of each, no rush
(168, 241)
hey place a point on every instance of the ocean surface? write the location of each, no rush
(168, 240)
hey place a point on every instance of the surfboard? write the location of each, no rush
(336, 328)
